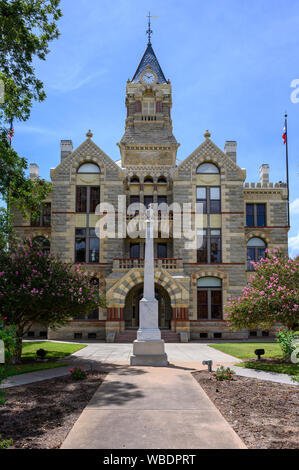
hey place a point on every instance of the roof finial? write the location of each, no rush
(207, 135)
(149, 32)
(89, 134)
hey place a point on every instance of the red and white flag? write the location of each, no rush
(284, 135)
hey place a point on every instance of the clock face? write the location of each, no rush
(148, 77)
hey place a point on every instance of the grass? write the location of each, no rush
(25, 368)
(246, 350)
(54, 351)
(285, 368)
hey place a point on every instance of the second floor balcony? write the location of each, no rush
(124, 264)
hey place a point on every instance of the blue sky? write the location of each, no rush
(230, 62)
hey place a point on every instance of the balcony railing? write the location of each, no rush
(164, 263)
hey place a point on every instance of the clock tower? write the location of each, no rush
(148, 137)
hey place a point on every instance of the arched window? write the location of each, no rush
(209, 298)
(148, 180)
(89, 168)
(42, 243)
(134, 180)
(256, 249)
(207, 168)
(162, 180)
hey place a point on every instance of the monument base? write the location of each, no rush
(149, 353)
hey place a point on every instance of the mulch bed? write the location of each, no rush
(264, 414)
(40, 415)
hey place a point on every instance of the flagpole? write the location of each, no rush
(287, 166)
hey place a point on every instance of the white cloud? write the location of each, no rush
(74, 80)
(294, 206)
(294, 245)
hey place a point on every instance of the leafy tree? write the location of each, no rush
(26, 28)
(271, 296)
(37, 287)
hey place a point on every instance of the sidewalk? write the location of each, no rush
(151, 408)
(30, 377)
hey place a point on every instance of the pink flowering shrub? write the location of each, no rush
(36, 286)
(270, 297)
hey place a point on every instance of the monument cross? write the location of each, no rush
(149, 348)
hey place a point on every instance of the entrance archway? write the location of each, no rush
(131, 310)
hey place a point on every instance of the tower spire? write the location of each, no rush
(149, 32)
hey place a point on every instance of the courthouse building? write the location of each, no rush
(240, 220)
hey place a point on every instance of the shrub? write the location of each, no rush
(4, 444)
(223, 373)
(41, 353)
(285, 339)
(78, 373)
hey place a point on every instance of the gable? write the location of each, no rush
(87, 151)
(209, 152)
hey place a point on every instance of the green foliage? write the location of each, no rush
(246, 350)
(4, 444)
(78, 373)
(271, 296)
(26, 28)
(38, 287)
(285, 339)
(223, 373)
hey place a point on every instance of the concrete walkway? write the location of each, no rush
(151, 408)
(191, 354)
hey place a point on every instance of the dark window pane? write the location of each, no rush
(93, 250)
(81, 199)
(94, 315)
(215, 207)
(80, 231)
(260, 253)
(250, 215)
(250, 258)
(80, 250)
(135, 250)
(216, 304)
(261, 221)
(202, 252)
(215, 250)
(92, 232)
(148, 200)
(94, 199)
(202, 304)
(162, 250)
(46, 215)
(261, 209)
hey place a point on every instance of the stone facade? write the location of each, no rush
(149, 170)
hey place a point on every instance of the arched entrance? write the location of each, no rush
(131, 310)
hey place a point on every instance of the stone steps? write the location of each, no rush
(128, 336)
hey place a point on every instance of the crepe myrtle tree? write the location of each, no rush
(270, 297)
(38, 287)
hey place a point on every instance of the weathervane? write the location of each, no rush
(149, 32)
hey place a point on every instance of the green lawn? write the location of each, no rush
(25, 368)
(54, 351)
(290, 369)
(246, 350)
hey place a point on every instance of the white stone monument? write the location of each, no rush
(149, 348)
